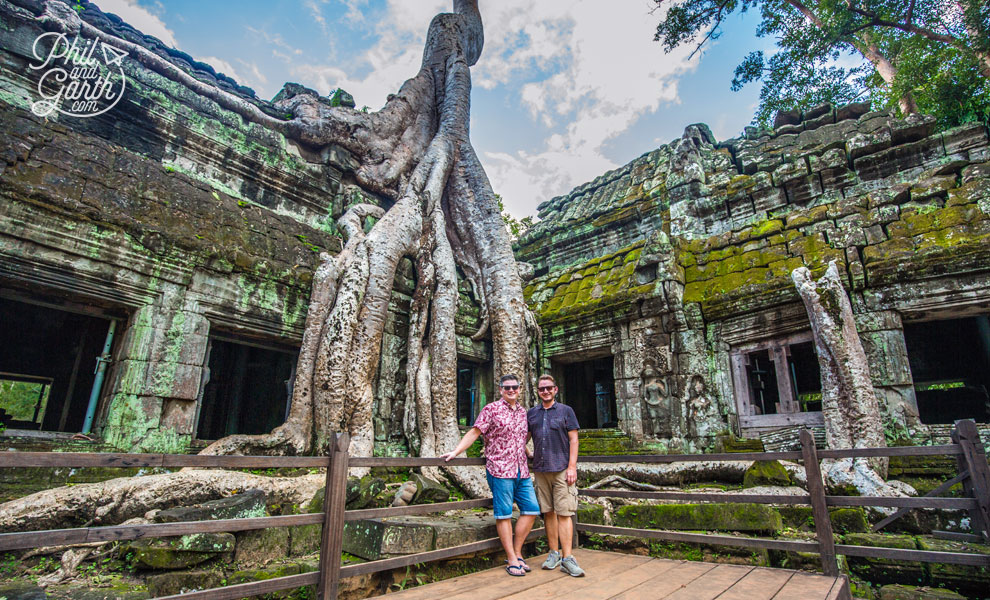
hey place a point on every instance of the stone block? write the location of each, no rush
(181, 552)
(802, 190)
(180, 582)
(965, 137)
(897, 591)
(590, 513)
(361, 493)
(259, 547)
(705, 517)
(883, 570)
(826, 118)
(967, 580)
(790, 171)
(305, 539)
(787, 117)
(463, 530)
(865, 144)
(977, 171)
(898, 159)
(246, 505)
(911, 128)
(766, 472)
(376, 538)
(853, 110)
(428, 491)
(933, 187)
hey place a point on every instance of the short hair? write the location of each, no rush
(507, 377)
(546, 377)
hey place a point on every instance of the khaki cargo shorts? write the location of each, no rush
(554, 494)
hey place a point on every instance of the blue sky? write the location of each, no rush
(565, 89)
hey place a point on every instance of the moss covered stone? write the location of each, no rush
(971, 581)
(910, 592)
(181, 552)
(178, 582)
(766, 472)
(755, 518)
(591, 513)
(849, 520)
(732, 444)
(882, 570)
(844, 520)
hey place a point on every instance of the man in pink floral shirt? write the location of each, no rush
(504, 425)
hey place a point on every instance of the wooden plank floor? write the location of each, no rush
(627, 577)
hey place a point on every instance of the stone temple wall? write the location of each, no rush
(903, 210)
(180, 220)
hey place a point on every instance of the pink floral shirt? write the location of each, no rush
(504, 428)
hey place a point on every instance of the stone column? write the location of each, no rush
(882, 334)
(158, 372)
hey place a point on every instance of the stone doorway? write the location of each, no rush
(47, 361)
(589, 388)
(950, 366)
(248, 389)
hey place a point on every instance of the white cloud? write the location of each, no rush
(222, 66)
(606, 73)
(585, 71)
(139, 17)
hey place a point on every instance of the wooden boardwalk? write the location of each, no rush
(628, 577)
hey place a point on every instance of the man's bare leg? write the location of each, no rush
(565, 530)
(524, 524)
(504, 529)
(550, 522)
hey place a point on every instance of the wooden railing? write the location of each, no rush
(974, 474)
(333, 517)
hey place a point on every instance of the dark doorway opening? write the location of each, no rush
(589, 388)
(468, 394)
(47, 362)
(248, 389)
(950, 365)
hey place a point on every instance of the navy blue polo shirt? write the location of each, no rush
(549, 427)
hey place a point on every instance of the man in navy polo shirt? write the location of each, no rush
(554, 429)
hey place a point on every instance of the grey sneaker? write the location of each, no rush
(552, 561)
(570, 566)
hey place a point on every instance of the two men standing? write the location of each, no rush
(507, 426)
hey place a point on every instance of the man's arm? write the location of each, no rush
(464, 444)
(571, 475)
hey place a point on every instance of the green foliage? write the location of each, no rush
(515, 227)
(20, 399)
(933, 53)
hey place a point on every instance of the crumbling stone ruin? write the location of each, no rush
(670, 278)
(185, 240)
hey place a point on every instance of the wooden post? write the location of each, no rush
(977, 485)
(819, 508)
(333, 518)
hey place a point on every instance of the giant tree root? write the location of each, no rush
(117, 500)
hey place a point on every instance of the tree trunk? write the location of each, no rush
(849, 404)
(417, 151)
(416, 154)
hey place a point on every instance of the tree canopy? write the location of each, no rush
(930, 56)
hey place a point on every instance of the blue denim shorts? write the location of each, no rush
(505, 491)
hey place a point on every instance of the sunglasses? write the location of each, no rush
(546, 388)
(510, 388)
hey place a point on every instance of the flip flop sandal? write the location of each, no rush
(515, 571)
(523, 566)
